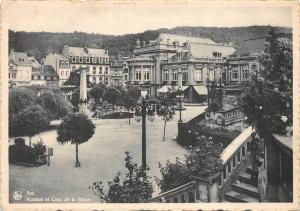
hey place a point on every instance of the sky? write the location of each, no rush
(116, 18)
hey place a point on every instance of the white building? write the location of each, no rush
(60, 64)
(20, 69)
(96, 60)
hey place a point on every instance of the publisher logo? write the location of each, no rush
(17, 195)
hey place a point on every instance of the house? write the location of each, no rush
(19, 70)
(60, 64)
(96, 60)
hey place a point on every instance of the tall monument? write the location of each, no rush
(83, 91)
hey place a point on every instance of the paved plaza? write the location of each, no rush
(101, 157)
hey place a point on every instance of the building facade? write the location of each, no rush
(177, 60)
(116, 72)
(96, 60)
(45, 76)
(20, 69)
(60, 64)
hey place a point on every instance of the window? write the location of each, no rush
(198, 74)
(146, 74)
(106, 70)
(235, 73)
(8, 75)
(138, 74)
(88, 60)
(239, 156)
(182, 198)
(166, 75)
(94, 60)
(80, 59)
(191, 197)
(174, 75)
(184, 74)
(100, 60)
(62, 73)
(67, 64)
(67, 73)
(100, 70)
(245, 73)
(73, 59)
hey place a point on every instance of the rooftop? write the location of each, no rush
(85, 52)
(19, 58)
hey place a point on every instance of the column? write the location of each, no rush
(83, 91)
(190, 71)
(180, 78)
(142, 73)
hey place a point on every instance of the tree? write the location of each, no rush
(77, 129)
(135, 187)
(166, 110)
(203, 160)
(267, 97)
(96, 92)
(54, 103)
(30, 121)
(130, 98)
(112, 95)
(74, 79)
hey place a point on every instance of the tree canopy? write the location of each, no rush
(75, 128)
(203, 160)
(29, 121)
(267, 98)
(135, 187)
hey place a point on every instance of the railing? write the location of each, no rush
(233, 155)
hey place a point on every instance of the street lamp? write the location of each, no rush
(140, 114)
(180, 97)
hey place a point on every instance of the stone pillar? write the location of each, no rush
(83, 91)
(142, 73)
(180, 78)
(190, 75)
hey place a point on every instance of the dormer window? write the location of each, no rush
(100, 60)
(94, 60)
(88, 60)
(80, 59)
(73, 59)
(217, 54)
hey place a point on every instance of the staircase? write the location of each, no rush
(244, 189)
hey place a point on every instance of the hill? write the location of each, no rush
(39, 44)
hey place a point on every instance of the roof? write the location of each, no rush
(229, 151)
(170, 88)
(201, 90)
(200, 50)
(19, 58)
(163, 37)
(89, 52)
(59, 56)
(286, 141)
(48, 71)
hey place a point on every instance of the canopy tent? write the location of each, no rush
(169, 88)
(201, 90)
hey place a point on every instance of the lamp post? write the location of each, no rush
(180, 97)
(142, 110)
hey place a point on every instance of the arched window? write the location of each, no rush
(243, 151)
(229, 167)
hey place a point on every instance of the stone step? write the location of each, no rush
(246, 189)
(234, 196)
(246, 178)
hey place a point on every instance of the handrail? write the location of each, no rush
(231, 149)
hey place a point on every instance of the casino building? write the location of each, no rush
(178, 61)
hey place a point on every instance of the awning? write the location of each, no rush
(201, 90)
(169, 88)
